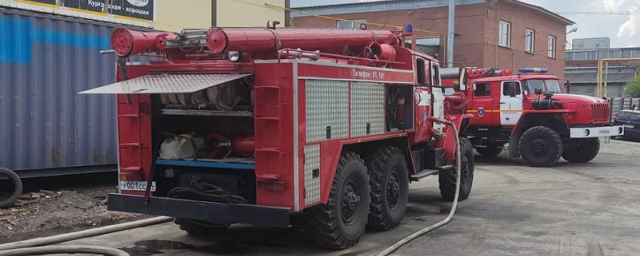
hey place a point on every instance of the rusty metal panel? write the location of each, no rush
(166, 83)
(44, 124)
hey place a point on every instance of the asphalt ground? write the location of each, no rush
(571, 209)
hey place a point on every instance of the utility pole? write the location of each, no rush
(452, 32)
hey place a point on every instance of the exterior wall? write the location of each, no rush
(584, 80)
(248, 13)
(44, 123)
(515, 56)
(172, 15)
(468, 45)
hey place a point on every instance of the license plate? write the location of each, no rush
(628, 126)
(136, 186)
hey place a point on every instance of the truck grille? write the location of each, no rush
(600, 112)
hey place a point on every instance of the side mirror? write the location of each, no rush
(567, 86)
(538, 91)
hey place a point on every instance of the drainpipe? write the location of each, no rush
(452, 32)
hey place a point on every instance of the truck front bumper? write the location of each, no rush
(199, 210)
(594, 132)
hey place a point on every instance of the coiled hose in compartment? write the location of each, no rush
(202, 191)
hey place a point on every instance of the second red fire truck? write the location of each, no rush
(529, 112)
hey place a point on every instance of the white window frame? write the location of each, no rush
(552, 46)
(350, 23)
(530, 41)
(504, 33)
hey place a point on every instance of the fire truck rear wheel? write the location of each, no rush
(340, 223)
(540, 146)
(389, 180)
(584, 151)
(447, 178)
(199, 228)
(10, 191)
(489, 151)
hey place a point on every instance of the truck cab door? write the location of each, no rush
(423, 99)
(510, 103)
(438, 96)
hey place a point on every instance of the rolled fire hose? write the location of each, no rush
(11, 247)
(433, 227)
(66, 249)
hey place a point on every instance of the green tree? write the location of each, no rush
(633, 88)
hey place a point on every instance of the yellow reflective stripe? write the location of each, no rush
(37, 3)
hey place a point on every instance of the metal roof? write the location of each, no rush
(347, 3)
(437, 4)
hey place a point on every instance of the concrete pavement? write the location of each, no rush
(572, 209)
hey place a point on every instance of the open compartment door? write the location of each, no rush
(166, 83)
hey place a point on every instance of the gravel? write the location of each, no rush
(68, 209)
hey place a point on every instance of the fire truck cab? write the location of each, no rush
(529, 112)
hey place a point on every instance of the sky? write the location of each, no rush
(617, 19)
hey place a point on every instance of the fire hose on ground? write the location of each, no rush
(435, 226)
(37, 246)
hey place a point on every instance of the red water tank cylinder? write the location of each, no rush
(262, 39)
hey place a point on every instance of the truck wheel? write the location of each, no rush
(389, 181)
(10, 192)
(447, 178)
(584, 151)
(540, 146)
(340, 223)
(489, 151)
(199, 228)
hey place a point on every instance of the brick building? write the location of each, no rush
(507, 34)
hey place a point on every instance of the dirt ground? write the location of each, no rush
(77, 203)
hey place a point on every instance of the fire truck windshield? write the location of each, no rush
(549, 85)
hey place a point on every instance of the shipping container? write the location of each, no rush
(46, 128)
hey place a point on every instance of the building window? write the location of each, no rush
(505, 34)
(529, 40)
(350, 23)
(552, 47)
(482, 90)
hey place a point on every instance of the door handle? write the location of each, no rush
(502, 102)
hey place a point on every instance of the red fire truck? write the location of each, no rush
(254, 126)
(531, 114)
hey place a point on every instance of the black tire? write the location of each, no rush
(200, 228)
(340, 223)
(489, 151)
(584, 151)
(9, 194)
(540, 146)
(389, 181)
(447, 178)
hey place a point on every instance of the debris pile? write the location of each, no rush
(46, 212)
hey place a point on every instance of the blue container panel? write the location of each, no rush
(44, 63)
